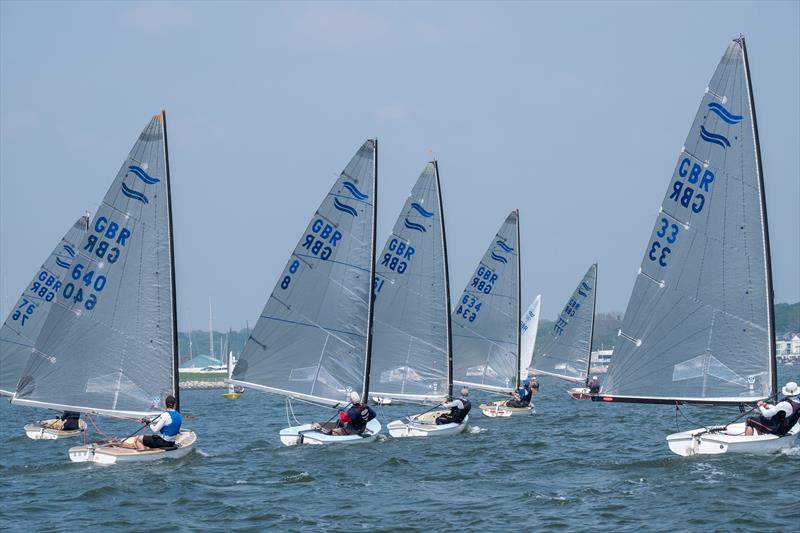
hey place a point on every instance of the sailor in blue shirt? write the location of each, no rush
(522, 396)
(166, 428)
(354, 420)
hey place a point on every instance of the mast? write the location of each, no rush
(773, 365)
(175, 375)
(371, 303)
(519, 303)
(591, 332)
(446, 286)
(210, 331)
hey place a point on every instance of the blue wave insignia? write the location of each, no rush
(344, 207)
(724, 114)
(358, 195)
(421, 210)
(70, 250)
(144, 176)
(130, 193)
(499, 258)
(60, 262)
(714, 138)
(414, 225)
(504, 246)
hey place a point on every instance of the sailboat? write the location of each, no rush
(486, 323)
(566, 353)
(313, 340)
(24, 323)
(411, 347)
(109, 345)
(699, 326)
(234, 391)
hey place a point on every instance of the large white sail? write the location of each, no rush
(25, 321)
(566, 348)
(312, 339)
(529, 328)
(411, 331)
(486, 332)
(108, 344)
(699, 326)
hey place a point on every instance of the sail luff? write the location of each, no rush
(175, 354)
(448, 304)
(591, 332)
(371, 302)
(519, 304)
(764, 223)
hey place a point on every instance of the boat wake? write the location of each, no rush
(476, 429)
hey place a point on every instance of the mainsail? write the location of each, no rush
(699, 324)
(486, 332)
(566, 348)
(109, 343)
(411, 332)
(25, 321)
(529, 328)
(312, 339)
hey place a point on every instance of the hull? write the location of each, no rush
(579, 393)
(383, 401)
(424, 425)
(232, 395)
(109, 454)
(305, 434)
(731, 440)
(43, 430)
(501, 410)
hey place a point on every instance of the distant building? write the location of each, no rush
(788, 344)
(600, 361)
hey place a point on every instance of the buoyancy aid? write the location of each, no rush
(460, 414)
(169, 431)
(788, 422)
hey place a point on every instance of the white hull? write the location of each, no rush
(501, 410)
(110, 454)
(304, 434)
(424, 425)
(732, 440)
(383, 401)
(579, 393)
(40, 431)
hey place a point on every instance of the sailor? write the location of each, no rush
(166, 427)
(593, 385)
(459, 408)
(71, 420)
(354, 420)
(776, 419)
(522, 396)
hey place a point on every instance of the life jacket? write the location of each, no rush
(460, 414)
(594, 387)
(359, 415)
(173, 428)
(788, 422)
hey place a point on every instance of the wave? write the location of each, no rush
(724, 114)
(714, 138)
(130, 193)
(499, 258)
(504, 246)
(414, 226)
(344, 207)
(421, 210)
(358, 195)
(144, 176)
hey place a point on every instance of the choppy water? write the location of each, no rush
(573, 464)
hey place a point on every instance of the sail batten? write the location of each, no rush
(411, 332)
(700, 317)
(486, 319)
(311, 341)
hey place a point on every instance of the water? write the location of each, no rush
(573, 464)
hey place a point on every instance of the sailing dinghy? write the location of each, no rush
(486, 323)
(566, 353)
(234, 391)
(411, 339)
(109, 345)
(699, 326)
(313, 341)
(24, 323)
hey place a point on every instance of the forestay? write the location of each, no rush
(311, 340)
(566, 348)
(411, 331)
(529, 328)
(486, 319)
(108, 343)
(21, 329)
(698, 326)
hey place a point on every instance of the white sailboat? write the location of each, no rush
(486, 323)
(699, 327)
(234, 391)
(566, 352)
(411, 348)
(529, 329)
(313, 340)
(24, 323)
(109, 345)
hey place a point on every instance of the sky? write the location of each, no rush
(573, 112)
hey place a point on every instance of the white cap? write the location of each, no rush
(790, 389)
(355, 397)
(594, 377)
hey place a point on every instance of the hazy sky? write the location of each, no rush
(572, 112)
